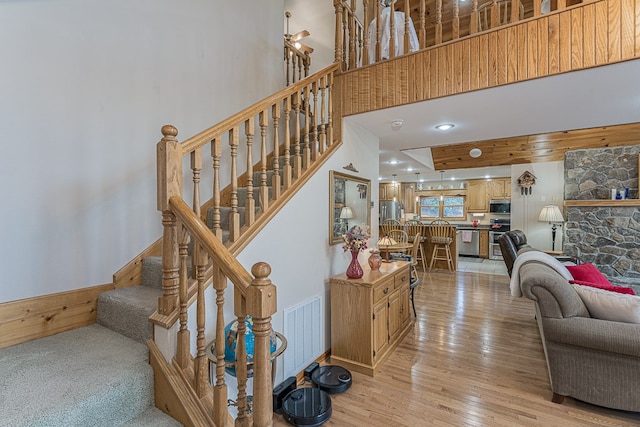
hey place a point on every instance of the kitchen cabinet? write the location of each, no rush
(409, 198)
(369, 316)
(484, 244)
(388, 191)
(500, 188)
(477, 201)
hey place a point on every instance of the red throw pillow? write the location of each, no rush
(587, 273)
(612, 288)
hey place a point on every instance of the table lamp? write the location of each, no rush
(346, 213)
(386, 241)
(552, 215)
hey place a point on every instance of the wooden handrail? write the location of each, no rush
(214, 247)
(206, 135)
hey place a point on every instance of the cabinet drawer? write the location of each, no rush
(382, 289)
(401, 279)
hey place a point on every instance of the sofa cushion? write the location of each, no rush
(587, 272)
(608, 305)
(610, 288)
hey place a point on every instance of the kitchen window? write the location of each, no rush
(451, 207)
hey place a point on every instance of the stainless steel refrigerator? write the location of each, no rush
(390, 210)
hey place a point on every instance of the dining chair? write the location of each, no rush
(440, 232)
(401, 237)
(412, 228)
(388, 225)
(414, 278)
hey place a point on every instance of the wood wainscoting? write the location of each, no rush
(28, 319)
(580, 37)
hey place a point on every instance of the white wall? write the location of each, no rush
(86, 86)
(525, 209)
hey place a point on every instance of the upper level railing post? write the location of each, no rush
(169, 179)
(337, 4)
(261, 305)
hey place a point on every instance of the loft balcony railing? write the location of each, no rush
(363, 34)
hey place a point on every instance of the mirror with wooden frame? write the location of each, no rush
(349, 201)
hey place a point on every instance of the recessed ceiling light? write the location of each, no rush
(445, 126)
(475, 152)
(393, 162)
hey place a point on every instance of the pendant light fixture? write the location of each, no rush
(441, 186)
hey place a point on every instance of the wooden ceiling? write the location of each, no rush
(546, 147)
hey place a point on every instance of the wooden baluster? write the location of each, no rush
(300, 68)
(438, 22)
(365, 33)
(515, 10)
(323, 123)
(261, 305)
(560, 5)
(456, 20)
(337, 4)
(241, 372)
(297, 160)
(352, 37)
(250, 203)
(275, 178)
(392, 30)
(407, 17)
(264, 190)
(183, 356)
(201, 363)
(196, 167)
(234, 215)
(378, 33)
(495, 14)
(473, 23)
(220, 392)
(216, 155)
(169, 158)
(422, 34)
(345, 37)
(330, 109)
(307, 64)
(286, 168)
(537, 9)
(287, 61)
(306, 152)
(314, 122)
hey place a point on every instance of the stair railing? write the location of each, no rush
(297, 63)
(304, 113)
(357, 44)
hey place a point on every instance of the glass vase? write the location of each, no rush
(354, 271)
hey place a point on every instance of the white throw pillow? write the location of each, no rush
(607, 305)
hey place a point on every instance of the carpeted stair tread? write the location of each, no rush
(127, 311)
(90, 376)
(152, 272)
(153, 417)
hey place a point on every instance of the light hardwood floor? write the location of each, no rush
(473, 358)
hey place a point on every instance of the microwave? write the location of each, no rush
(500, 206)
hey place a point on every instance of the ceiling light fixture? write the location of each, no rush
(445, 126)
(396, 124)
(441, 186)
(475, 153)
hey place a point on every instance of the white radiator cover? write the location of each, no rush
(303, 329)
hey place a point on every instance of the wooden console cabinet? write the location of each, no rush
(369, 316)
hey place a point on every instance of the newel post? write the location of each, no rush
(261, 305)
(169, 184)
(337, 4)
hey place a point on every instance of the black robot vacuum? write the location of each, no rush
(311, 406)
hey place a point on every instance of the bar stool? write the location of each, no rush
(440, 232)
(414, 227)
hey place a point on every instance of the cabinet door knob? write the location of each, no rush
(386, 291)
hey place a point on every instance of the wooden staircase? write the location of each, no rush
(291, 134)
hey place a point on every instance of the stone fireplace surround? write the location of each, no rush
(607, 234)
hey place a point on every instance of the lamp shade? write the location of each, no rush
(551, 213)
(346, 213)
(386, 241)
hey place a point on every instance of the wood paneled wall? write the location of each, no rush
(583, 36)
